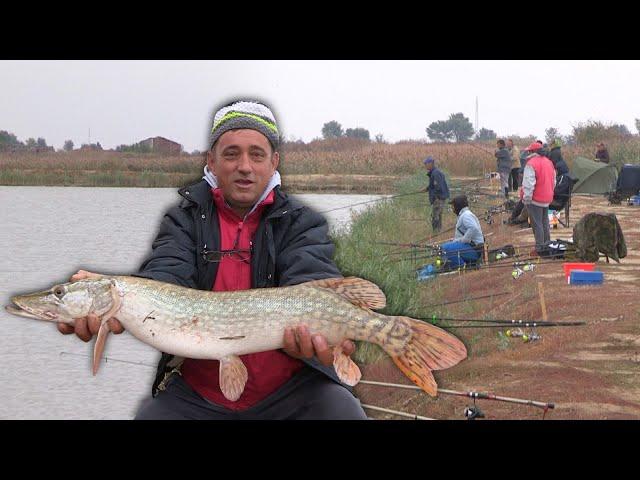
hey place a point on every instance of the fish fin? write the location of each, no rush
(104, 331)
(347, 370)
(358, 291)
(98, 348)
(430, 348)
(233, 377)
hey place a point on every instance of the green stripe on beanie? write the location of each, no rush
(231, 115)
(245, 115)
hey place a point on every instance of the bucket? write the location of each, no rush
(576, 266)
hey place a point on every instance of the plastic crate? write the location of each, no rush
(583, 277)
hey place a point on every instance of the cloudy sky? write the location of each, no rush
(122, 102)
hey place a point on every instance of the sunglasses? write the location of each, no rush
(237, 254)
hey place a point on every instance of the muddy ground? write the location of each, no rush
(588, 372)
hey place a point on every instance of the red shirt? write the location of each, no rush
(267, 371)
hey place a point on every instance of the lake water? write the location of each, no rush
(46, 235)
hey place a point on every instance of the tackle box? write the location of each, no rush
(568, 267)
(583, 277)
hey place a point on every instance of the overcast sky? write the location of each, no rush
(123, 102)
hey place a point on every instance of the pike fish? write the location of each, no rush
(203, 324)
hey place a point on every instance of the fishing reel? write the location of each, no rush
(520, 268)
(517, 273)
(519, 333)
(473, 412)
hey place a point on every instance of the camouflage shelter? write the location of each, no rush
(594, 177)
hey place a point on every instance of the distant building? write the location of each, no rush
(91, 146)
(162, 145)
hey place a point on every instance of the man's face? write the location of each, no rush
(429, 166)
(243, 162)
(510, 143)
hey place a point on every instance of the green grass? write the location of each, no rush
(358, 254)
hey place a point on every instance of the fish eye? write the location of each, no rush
(58, 292)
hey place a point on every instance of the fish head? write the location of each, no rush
(66, 301)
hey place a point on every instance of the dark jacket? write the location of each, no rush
(503, 159)
(555, 155)
(291, 246)
(438, 187)
(603, 155)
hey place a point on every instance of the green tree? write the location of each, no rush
(457, 127)
(332, 129)
(68, 146)
(440, 131)
(41, 142)
(550, 134)
(379, 138)
(361, 133)
(461, 127)
(486, 134)
(31, 143)
(638, 125)
(9, 139)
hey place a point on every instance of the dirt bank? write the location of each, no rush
(590, 372)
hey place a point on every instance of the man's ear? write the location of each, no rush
(211, 161)
(275, 160)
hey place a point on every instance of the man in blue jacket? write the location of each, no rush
(468, 241)
(438, 193)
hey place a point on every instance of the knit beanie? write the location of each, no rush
(245, 114)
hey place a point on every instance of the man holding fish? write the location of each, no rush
(236, 230)
(241, 294)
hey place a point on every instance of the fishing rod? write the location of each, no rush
(109, 359)
(519, 323)
(471, 394)
(480, 148)
(497, 264)
(374, 200)
(396, 412)
(467, 299)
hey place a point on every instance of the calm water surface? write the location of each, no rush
(46, 235)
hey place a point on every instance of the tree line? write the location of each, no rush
(458, 128)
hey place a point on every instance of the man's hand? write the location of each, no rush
(299, 343)
(86, 327)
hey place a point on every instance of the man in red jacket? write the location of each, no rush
(538, 182)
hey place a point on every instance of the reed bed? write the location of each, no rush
(338, 157)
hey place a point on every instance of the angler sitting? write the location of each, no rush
(468, 242)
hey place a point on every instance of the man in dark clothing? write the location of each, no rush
(555, 155)
(236, 230)
(514, 176)
(602, 154)
(564, 184)
(504, 163)
(438, 193)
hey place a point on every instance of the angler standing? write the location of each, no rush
(514, 176)
(438, 192)
(538, 184)
(236, 230)
(504, 162)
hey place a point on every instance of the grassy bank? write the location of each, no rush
(358, 253)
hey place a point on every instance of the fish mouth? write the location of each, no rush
(27, 312)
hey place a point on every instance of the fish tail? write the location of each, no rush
(429, 348)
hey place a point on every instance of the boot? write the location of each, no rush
(506, 193)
